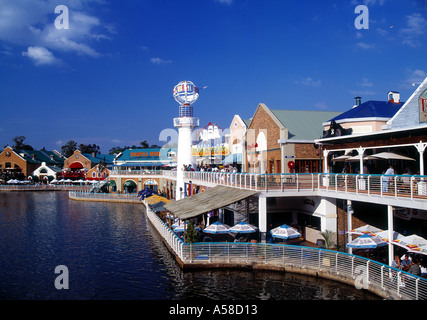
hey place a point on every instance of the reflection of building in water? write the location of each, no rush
(211, 146)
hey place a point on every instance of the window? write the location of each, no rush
(93, 174)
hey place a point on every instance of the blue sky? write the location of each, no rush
(108, 79)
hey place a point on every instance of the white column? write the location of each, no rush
(349, 224)
(325, 161)
(361, 151)
(262, 217)
(390, 233)
(421, 147)
(184, 157)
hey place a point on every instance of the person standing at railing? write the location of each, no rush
(386, 178)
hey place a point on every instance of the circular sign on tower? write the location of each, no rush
(185, 92)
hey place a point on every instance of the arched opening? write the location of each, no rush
(152, 184)
(129, 186)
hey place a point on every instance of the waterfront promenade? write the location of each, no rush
(380, 279)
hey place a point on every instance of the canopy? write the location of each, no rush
(412, 242)
(341, 158)
(354, 158)
(391, 155)
(206, 201)
(217, 228)
(366, 229)
(384, 235)
(243, 227)
(156, 199)
(285, 232)
(366, 241)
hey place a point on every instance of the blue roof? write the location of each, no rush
(107, 158)
(371, 109)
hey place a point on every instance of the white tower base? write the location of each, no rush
(185, 127)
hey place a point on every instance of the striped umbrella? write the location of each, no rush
(217, 228)
(243, 227)
(366, 241)
(285, 232)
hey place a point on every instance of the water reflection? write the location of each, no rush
(112, 252)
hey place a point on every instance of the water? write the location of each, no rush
(113, 253)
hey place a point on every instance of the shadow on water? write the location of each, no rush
(112, 252)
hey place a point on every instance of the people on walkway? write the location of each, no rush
(386, 178)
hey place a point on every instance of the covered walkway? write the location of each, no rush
(206, 201)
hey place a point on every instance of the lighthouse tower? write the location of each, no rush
(185, 93)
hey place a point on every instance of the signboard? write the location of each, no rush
(423, 106)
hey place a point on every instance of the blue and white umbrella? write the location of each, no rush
(243, 227)
(181, 228)
(366, 241)
(285, 232)
(217, 228)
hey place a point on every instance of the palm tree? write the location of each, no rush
(329, 236)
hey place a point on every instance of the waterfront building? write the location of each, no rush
(45, 173)
(19, 164)
(211, 146)
(78, 164)
(238, 128)
(98, 173)
(400, 142)
(146, 158)
(282, 141)
(135, 169)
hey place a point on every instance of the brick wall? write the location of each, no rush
(8, 155)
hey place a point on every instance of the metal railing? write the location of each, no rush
(363, 273)
(104, 196)
(397, 186)
(44, 187)
(165, 173)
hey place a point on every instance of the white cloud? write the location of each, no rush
(416, 27)
(365, 83)
(415, 78)
(227, 2)
(309, 82)
(159, 61)
(31, 23)
(365, 46)
(41, 56)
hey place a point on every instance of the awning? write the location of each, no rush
(140, 164)
(206, 201)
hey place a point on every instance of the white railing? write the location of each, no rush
(363, 273)
(397, 186)
(104, 196)
(43, 187)
(174, 242)
(165, 173)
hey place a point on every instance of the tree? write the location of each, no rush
(190, 235)
(89, 148)
(329, 236)
(144, 144)
(116, 150)
(20, 145)
(68, 149)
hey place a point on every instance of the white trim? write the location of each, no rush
(420, 87)
(423, 125)
(358, 120)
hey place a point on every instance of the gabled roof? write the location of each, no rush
(383, 110)
(107, 158)
(303, 124)
(50, 157)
